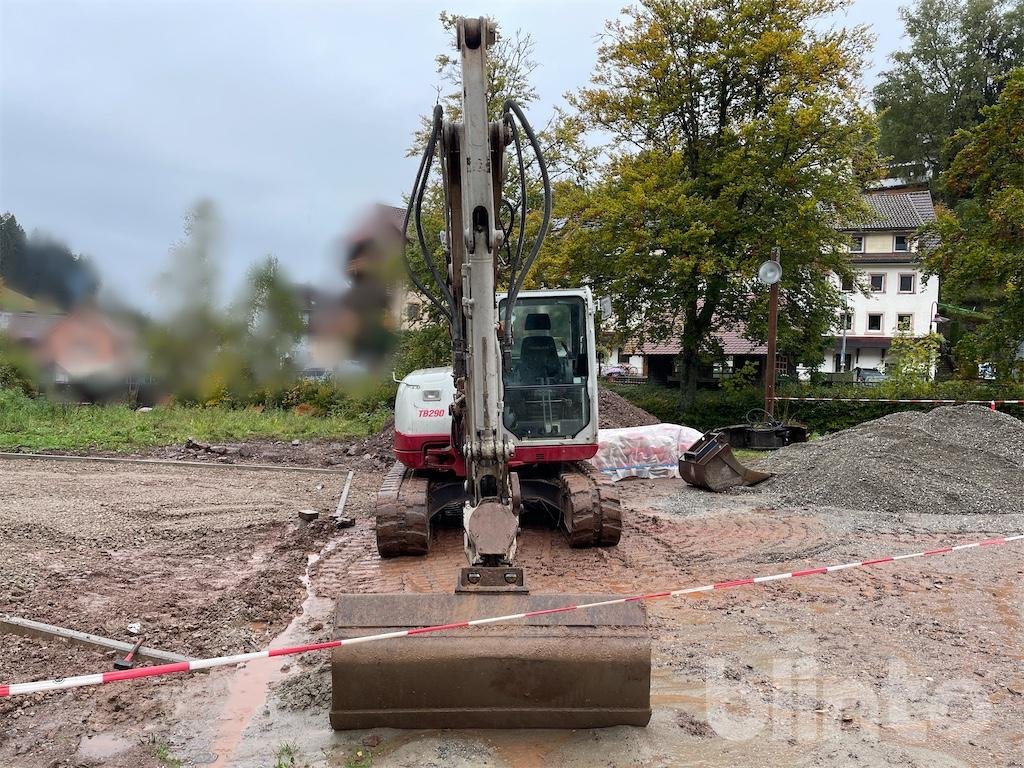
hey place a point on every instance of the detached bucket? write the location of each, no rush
(710, 464)
(581, 669)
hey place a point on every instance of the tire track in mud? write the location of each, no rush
(656, 550)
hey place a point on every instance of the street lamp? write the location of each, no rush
(769, 273)
(842, 348)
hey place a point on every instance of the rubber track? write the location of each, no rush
(403, 522)
(591, 514)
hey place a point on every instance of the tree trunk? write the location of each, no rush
(694, 328)
(688, 368)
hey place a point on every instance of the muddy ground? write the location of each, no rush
(919, 663)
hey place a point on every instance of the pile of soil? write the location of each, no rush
(616, 412)
(952, 460)
(372, 452)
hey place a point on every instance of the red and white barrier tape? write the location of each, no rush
(990, 403)
(57, 684)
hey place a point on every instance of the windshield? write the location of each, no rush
(546, 390)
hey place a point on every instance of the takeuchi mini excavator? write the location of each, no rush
(506, 430)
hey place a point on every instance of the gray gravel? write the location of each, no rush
(963, 460)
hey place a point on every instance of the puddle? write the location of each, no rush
(101, 746)
(247, 692)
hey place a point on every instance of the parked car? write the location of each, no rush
(869, 376)
(617, 371)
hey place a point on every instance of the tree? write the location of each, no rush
(42, 267)
(960, 52)
(732, 127)
(269, 313)
(980, 243)
(193, 329)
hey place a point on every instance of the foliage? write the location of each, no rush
(41, 267)
(17, 371)
(960, 52)
(207, 355)
(910, 358)
(981, 241)
(713, 408)
(732, 127)
(426, 347)
(35, 424)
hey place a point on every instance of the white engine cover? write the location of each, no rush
(422, 403)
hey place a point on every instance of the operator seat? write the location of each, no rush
(538, 355)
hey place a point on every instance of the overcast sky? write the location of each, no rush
(115, 117)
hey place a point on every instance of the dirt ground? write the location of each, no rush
(918, 663)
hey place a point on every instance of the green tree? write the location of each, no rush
(732, 127)
(272, 324)
(193, 328)
(960, 52)
(981, 241)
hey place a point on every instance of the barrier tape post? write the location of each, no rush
(15, 689)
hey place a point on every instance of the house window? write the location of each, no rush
(907, 281)
(905, 323)
(901, 243)
(875, 322)
(838, 363)
(877, 283)
(856, 243)
(846, 321)
(847, 284)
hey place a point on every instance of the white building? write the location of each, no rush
(899, 300)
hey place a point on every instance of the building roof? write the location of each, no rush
(896, 209)
(733, 343)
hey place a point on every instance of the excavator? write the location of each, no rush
(505, 430)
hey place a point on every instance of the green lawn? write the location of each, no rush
(37, 424)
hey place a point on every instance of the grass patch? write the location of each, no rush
(749, 455)
(36, 424)
(162, 751)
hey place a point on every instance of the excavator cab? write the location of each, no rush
(548, 393)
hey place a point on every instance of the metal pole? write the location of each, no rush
(842, 350)
(773, 322)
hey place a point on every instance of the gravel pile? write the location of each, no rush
(951, 460)
(615, 412)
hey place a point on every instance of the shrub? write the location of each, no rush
(16, 368)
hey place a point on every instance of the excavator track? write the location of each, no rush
(591, 513)
(403, 518)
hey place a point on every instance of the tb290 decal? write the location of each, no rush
(433, 413)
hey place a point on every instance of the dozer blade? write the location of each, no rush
(579, 669)
(710, 464)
